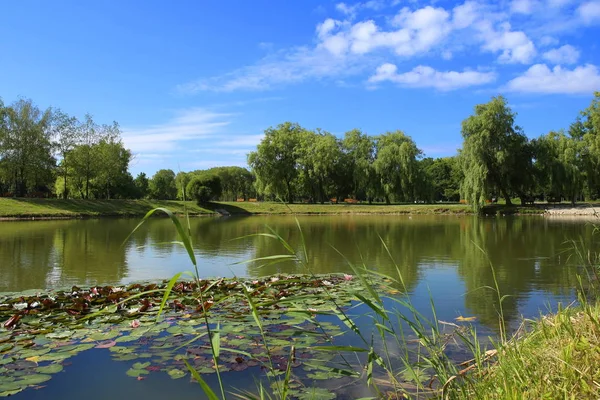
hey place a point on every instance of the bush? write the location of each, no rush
(204, 188)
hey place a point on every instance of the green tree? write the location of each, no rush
(396, 165)
(492, 153)
(275, 161)
(320, 157)
(556, 164)
(85, 159)
(66, 131)
(26, 147)
(236, 182)
(112, 176)
(587, 130)
(142, 185)
(444, 176)
(359, 149)
(204, 188)
(162, 185)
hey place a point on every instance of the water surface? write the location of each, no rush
(445, 257)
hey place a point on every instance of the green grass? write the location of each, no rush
(559, 358)
(55, 208)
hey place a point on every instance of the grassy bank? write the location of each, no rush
(557, 358)
(57, 208)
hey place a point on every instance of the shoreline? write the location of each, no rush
(58, 209)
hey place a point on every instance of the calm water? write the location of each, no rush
(438, 256)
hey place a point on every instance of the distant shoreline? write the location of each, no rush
(49, 209)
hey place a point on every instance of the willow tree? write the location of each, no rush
(275, 160)
(587, 130)
(492, 155)
(557, 162)
(360, 151)
(396, 165)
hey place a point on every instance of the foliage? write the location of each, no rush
(162, 185)
(275, 161)
(491, 156)
(204, 188)
(397, 167)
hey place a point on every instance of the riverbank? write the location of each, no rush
(21, 208)
(57, 208)
(557, 358)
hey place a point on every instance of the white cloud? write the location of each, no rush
(523, 6)
(515, 46)
(566, 54)
(292, 66)
(424, 76)
(589, 12)
(190, 124)
(541, 79)
(465, 14)
(548, 41)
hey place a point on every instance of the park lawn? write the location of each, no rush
(57, 208)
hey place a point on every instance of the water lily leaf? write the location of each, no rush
(139, 365)
(36, 379)
(316, 394)
(137, 372)
(60, 335)
(7, 393)
(176, 373)
(5, 347)
(50, 369)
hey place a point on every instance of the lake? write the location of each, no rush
(444, 258)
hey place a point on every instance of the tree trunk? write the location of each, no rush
(289, 192)
(387, 200)
(506, 197)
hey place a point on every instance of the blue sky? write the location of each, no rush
(193, 84)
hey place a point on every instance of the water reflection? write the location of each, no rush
(447, 255)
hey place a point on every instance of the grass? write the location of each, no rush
(559, 357)
(58, 208)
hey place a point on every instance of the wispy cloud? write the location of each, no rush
(558, 80)
(424, 76)
(189, 124)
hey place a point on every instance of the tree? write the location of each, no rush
(320, 157)
(26, 148)
(443, 175)
(236, 182)
(84, 159)
(204, 188)
(162, 185)
(492, 152)
(556, 163)
(359, 149)
(275, 160)
(112, 176)
(396, 165)
(142, 185)
(66, 131)
(587, 130)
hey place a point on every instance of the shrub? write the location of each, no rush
(204, 188)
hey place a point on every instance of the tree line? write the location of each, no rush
(496, 160)
(47, 153)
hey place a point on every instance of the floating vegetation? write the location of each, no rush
(40, 331)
